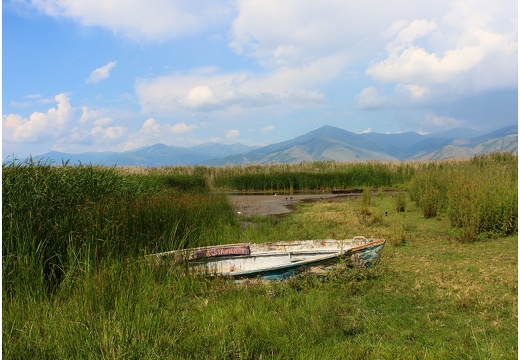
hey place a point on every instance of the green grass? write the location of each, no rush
(431, 296)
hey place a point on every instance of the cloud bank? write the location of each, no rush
(293, 58)
(139, 20)
(85, 128)
(38, 125)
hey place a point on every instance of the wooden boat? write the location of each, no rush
(277, 260)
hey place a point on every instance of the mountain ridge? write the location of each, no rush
(326, 143)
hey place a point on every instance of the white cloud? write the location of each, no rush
(154, 20)
(232, 134)
(472, 53)
(101, 73)
(33, 96)
(468, 48)
(416, 65)
(32, 100)
(103, 121)
(150, 126)
(292, 32)
(77, 138)
(304, 47)
(406, 34)
(109, 134)
(199, 97)
(181, 128)
(411, 91)
(267, 129)
(152, 132)
(88, 115)
(369, 99)
(16, 128)
(432, 49)
(294, 86)
(88, 129)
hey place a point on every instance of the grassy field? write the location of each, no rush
(77, 285)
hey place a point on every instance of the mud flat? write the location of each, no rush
(279, 204)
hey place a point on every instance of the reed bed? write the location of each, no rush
(479, 196)
(307, 176)
(59, 220)
(313, 176)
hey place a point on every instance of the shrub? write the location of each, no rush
(377, 217)
(400, 202)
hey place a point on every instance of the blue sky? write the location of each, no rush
(113, 75)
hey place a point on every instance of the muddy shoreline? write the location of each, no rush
(278, 204)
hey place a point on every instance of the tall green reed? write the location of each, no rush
(312, 176)
(479, 196)
(39, 203)
(60, 221)
(305, 176)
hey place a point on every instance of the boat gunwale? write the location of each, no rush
(183, 253)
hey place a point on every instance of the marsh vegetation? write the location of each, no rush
(76, 285)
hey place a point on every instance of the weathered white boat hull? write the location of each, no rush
(278, 260)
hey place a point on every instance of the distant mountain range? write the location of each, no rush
(155, 155)
(325, 143)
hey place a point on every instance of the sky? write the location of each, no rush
(115, 75)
